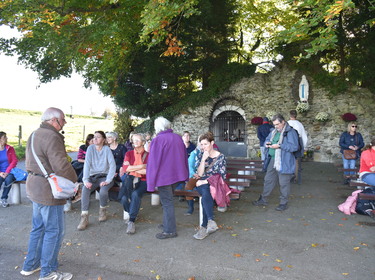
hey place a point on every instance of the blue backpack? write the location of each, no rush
(19, 174)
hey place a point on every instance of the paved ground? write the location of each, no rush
(310, 240)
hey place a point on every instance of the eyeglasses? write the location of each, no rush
(354, 126)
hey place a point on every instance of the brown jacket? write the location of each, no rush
(49, 146)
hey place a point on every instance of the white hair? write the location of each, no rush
(161, 124)
(112, 134)
(51, 113)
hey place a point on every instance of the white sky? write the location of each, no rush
(19, 89)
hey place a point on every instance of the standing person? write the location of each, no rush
(167, 166)
(350, 140)
(189, 146)
(280, 162)
(135, 185)
(8, 160)
(98, 173)
(262, 133)
(48, 224)
(297, 125)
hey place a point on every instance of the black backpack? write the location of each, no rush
(299, 153)
(365, 204)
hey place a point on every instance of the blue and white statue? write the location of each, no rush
(304, 89)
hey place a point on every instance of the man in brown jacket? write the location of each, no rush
(48, 221)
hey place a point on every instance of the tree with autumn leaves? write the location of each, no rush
(150, 55)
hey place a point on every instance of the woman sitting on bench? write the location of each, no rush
(209, 163)
(367, 165)
(8, 160)
(134, 185)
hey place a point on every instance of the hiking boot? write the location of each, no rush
(84, 222)
(68, 206)
(102, 214)
(201, 234)
(4, 202)
(260, 202)
(57, 276)
(282, 207)
(28, 273)
(131, 228)
(211, 226)
(165, 235)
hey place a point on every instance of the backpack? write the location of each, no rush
(365, 204)
(299, 153)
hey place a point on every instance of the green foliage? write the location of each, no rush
(123, 125)
(20, 150)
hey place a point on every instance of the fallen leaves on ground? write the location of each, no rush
(191, 278)
(266, 255)
(278, 268)
(345, 273)
(356, 248)
(136, 260)
(279, 261)
(257, 260)
(237, 255)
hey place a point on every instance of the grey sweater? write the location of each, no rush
(99, 162)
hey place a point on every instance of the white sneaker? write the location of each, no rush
(68, 206)
(211, 226)
(4, 202)
(201, 234)
(28, 273)
(131, 228)
(57, 276)
(126, 216)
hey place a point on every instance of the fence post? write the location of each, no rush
(20, 135)
(84, 128)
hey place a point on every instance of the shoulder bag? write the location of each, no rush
(61, 187)
(350, 154)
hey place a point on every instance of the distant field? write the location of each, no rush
(76, 129)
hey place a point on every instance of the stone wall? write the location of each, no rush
(277, 91)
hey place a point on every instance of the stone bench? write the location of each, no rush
(15, 192)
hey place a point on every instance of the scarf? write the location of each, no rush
(277, 163)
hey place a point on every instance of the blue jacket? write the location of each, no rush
(347, 140)
(288, 146)
(263, 131)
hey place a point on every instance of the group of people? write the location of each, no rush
(163, 165)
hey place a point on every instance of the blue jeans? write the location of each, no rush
(207, 203)
(348, 164)
(369, 178)
(7, 185)
(166, 199)
(130, 197)
(48, 229)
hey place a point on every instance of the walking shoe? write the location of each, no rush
(102, 214)
(28, 273)
(201, 234)
(211, 226)
(68, 206)
(57, 276)
(371, 213)
(260, 202)
(131, 228)
(4, 202)
(282, 207)
(84, 222)
(165, 235)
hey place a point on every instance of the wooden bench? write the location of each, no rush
(15, 192)
(359, 184)
(242, 170)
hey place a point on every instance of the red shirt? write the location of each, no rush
(130, 157)
(367, 160)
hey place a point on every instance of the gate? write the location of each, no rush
(229, 129)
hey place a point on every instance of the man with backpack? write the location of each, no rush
(280, 162)
(297, 125)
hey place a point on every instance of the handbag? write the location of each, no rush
(19, 174)
(350, 154)
(61, 187)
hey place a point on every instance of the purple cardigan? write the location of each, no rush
(167, 162)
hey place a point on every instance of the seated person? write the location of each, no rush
(78, 164)
(367, 164)
(8, 160)
(209, 163)
(134, 184)
(118, 151)
(98, 173)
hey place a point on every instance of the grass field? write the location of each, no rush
(76, 129)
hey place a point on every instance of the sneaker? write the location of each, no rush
(131, 228)
(68, 206)
(28, 273)
(4, 202)
(222, 209)
(57, 276)
(165, 235)
(260, 202)
(102, 214)
(211, 226)
(282, 207)
(201, 234)
(371, 213)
